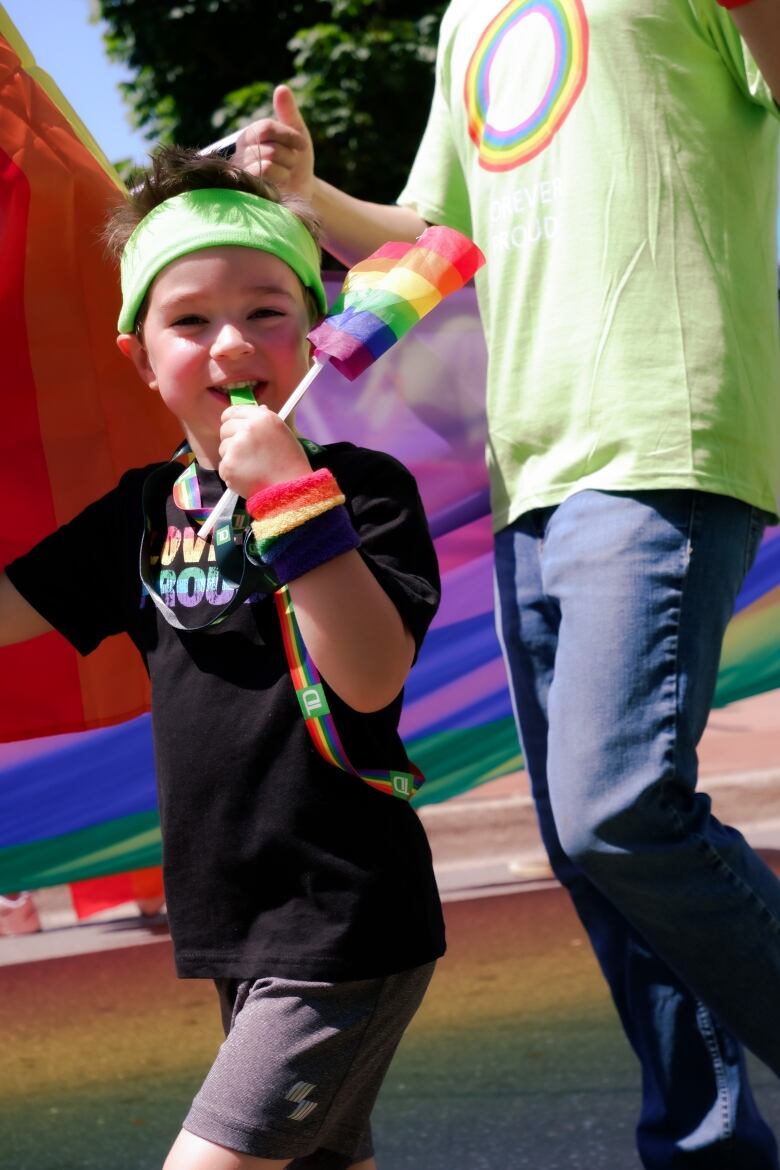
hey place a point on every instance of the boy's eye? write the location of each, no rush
(189, 319)
(266, 312)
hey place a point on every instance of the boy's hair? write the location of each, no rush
(175, 170)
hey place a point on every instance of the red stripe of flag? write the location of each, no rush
(24, 483)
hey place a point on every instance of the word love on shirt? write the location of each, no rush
(188, 574)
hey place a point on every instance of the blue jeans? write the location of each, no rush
(611, 612)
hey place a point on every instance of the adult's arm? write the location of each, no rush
(759, 24)
(18, 620)
(280, 149)
(353, 228)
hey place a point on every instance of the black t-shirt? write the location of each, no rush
(275, 862)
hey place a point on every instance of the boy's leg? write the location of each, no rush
(697, 1107)
(299, 1071)
(193, 1153)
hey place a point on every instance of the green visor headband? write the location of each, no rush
(210, 218)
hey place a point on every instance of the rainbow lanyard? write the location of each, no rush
(247, 576)
(186, 493)
(316, 712)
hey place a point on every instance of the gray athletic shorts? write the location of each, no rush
(302, 1064)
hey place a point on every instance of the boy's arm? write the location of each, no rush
(759, 24)
(349, 622)
(353, 631)
(281, 150)
(18, 620)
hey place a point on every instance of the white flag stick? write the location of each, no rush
(227, 502)
(223, 145)
(317, 366)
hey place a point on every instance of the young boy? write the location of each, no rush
(295, 877)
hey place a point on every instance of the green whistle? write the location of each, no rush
(242, 396)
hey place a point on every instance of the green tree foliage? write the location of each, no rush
(362, 71)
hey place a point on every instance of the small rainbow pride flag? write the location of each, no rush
(381, 299)
(389, 292)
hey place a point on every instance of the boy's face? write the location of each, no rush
(217, 318)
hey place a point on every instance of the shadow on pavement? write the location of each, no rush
(515, 1061)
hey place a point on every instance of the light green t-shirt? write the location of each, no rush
(616, 161)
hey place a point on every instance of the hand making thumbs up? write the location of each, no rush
(280, 148)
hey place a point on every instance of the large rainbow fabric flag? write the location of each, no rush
(81, 804)
(78, 806)
(75, 414)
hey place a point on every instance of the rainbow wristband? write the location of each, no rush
(283, 506)
(301, 524)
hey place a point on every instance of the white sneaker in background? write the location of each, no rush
(18, 914)
(531, 869)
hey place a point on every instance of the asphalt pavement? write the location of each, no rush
(515, 1060)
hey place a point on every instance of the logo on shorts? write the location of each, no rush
(303, 1108)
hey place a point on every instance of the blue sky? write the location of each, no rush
(70, 49)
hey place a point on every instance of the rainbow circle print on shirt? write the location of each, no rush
(502, 150)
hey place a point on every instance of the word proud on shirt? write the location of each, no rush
(188, 573)
(526, 215)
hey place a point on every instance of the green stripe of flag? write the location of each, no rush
(454, 761)
(114, 847)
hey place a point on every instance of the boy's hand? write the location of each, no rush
(258, 449)
(279, 148)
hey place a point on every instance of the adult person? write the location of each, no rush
(616, 161)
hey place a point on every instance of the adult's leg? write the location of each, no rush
(697, 1108)
(645, 587)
